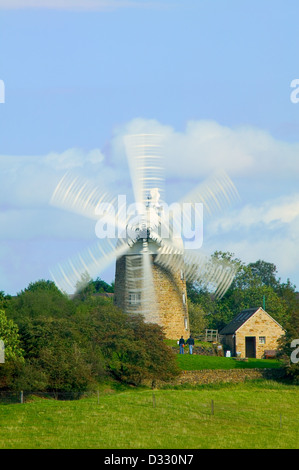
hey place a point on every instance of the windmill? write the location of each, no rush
(153, 257)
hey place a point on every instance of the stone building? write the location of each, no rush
(168, 308)
(251, 333)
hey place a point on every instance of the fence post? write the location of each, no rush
(98, 397)
(212, 407)
(22, 396)
(154, 400)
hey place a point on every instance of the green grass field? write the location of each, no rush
(250, 415)
(197, 362)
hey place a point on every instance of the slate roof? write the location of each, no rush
(236, 322)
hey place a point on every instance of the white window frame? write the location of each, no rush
(134, 298)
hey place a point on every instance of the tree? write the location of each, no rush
(87, 287)
(10, 336)
(57, 355)
(266, 272)
(41, 298)
(13, 352)
(252, 284)
(138, 352)
(4, 300)
(197, 318)
(286, 350)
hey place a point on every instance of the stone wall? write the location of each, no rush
(212, 376)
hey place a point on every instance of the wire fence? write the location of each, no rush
(250, 414)
(10, 397)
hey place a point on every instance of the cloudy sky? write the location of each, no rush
(214, 76)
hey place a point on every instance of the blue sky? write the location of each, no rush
(214, 76)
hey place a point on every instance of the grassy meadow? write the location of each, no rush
(250, 415)
(197, 362)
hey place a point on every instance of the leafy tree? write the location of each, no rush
(138, 352)
(197, 318)
(4, 300)
(10, 336)
(57, 355)
(266, 272)
(41, 285)
(41, 298)
(13, 351)
(87, 287)
(252, 284)
(286, 349)
(102, 286)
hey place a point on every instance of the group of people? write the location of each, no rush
(190, 342)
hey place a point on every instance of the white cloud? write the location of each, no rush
(269, 231)
(30, 180)
(205, 146)
(273, 213)
(73, 158)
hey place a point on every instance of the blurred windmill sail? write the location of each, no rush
(82, 267)
(208, 198)
(82, 196)
(145, 165)
(140, 289)
(213, 274)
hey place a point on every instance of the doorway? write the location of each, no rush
(250, 350)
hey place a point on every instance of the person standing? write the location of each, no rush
(182, 345)
(190, 341)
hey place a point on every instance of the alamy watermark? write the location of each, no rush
(156, 219)
(294, 96)
(295, 354)
(2, 91)
(2, 352)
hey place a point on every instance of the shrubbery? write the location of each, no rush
(67, 345)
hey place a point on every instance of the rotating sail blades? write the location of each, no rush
(145, 164)
(140, 289)
(215, 193)
(76, 272)
(80, 195)
(213, 274)
(209, 197)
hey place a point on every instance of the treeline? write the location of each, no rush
(57, 343)
(255, 285)
(54, 343)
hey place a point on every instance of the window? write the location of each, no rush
(134, 298)
(182, 274)
(262, 339)
(184, 298)
(186, 324)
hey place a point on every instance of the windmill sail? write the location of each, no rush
(216, 275)
(145, 164)
(78, 270)
(140, 289)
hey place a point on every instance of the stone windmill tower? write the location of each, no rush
(153, 255)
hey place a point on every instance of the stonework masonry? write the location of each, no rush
(264, 330)
(170, 293)
(212, 376)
